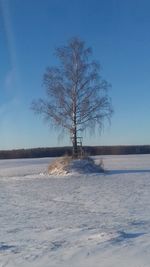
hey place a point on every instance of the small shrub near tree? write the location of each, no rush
(67, 165)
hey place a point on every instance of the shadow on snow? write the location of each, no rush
(123, 236)
(110, 172)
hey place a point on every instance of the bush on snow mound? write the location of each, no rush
(68, 165)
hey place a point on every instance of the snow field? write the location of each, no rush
(75, 221)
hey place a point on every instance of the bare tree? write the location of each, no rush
(77, 97)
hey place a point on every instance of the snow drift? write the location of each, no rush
(67, 165)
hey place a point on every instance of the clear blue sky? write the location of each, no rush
(119, 33)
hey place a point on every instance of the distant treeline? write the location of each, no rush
(60, 151)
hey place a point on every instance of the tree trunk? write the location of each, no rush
(74, 142)
(74, 128)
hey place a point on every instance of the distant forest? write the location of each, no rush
(61, 151)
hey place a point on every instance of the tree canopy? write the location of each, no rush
(76, 95)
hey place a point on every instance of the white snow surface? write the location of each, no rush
(91, 220)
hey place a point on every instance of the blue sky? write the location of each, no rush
(118, 32)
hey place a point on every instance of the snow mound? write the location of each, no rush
(67, 165)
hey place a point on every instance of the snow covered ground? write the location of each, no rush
(100, 220)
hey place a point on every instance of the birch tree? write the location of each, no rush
(76, 95)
